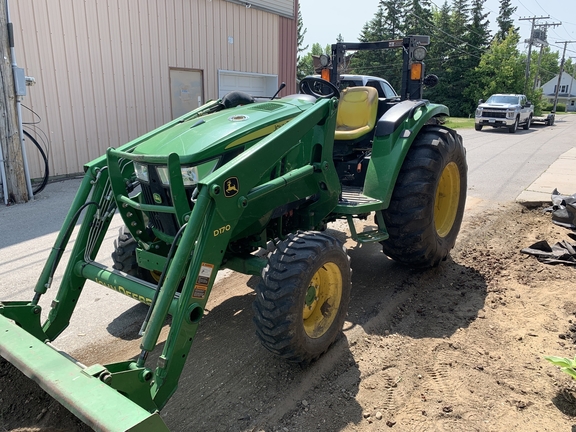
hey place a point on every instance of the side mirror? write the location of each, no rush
(528, 104)
(430, 80)
(480, 101)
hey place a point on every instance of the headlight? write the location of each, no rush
(510, 114)
(478, 112)
(141, 171)
(189, 175)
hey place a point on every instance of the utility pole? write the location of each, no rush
(543, 43)
(571, 82)
(530, 41)
(560, 74)
(14, 180)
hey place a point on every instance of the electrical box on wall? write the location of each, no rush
(19, 81)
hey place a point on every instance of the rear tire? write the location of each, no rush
(427, 205)
(302, 299)
(478, 127)
(514, 127)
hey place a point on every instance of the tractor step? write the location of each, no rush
(372, 236)
(353, 201)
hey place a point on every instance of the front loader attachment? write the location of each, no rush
(289, 172)
(79, 389)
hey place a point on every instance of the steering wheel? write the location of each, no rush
(319, 88)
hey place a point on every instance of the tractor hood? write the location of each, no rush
(204, 137)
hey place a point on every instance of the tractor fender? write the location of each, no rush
(395, 133)
(393, 118)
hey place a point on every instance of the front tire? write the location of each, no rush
(478, 127)
(527, 124)
(427, 204)
(514, 127)
(124, 257)
(302, 299)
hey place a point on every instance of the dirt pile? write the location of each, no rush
(458, 347)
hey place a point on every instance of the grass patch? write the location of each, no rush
(459, 123)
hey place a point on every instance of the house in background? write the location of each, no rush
(566, 92)
(109, 71)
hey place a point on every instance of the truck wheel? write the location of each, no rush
(302, 299)
(514, 127)
(527, 124)
(478, 127)
(427, 204)
(124, 257)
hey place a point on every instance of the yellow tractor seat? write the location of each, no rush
(356, 112)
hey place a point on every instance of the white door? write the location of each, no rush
(258, 85)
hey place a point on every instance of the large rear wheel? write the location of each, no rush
(302, 300)
(427, 205)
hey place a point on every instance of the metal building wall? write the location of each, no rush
(288, 46)
(102, 66)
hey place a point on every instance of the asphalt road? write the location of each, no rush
(500, 164)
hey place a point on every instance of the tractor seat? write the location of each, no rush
(356, 112)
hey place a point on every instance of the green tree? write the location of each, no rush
(478, 38)
(300, 44)
(306, 64)
(545, 65)
(418, 17)
(501, 69)
(387, 24)
(504, 19)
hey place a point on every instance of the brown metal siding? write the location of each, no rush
(102, 66)
(288, 50)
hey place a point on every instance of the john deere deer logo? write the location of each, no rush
(230, 187)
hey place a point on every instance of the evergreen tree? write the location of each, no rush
(418, 17)
(438, 52)
(300, 42)
(504, 19)
(478, 42)
(387, 24)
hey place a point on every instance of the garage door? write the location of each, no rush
(261, 85)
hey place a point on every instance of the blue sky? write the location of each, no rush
(324, 20)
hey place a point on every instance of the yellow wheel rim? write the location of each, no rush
(322, 300)
(447, 199)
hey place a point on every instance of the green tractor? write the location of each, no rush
(215, 188)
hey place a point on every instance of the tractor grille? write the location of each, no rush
(494, 113)
(271, 106)
(165, 222)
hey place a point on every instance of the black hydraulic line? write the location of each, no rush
(60, 247)
(45, 158)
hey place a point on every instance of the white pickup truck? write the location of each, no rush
(504, 110)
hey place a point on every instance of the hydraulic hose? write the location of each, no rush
(61, 246)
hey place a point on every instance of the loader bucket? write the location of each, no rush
(95, 403)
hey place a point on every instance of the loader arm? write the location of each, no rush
(218, 214)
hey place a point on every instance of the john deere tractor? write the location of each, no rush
(215, 188)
